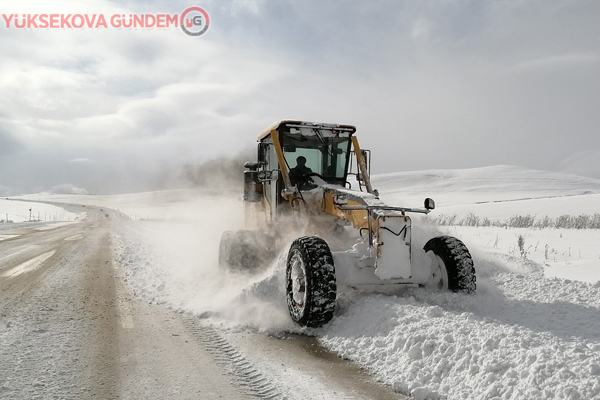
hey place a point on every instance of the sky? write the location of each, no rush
(428, 84)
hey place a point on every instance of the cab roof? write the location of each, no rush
(304, 124)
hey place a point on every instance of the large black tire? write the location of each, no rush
(225, 244)
(455, 264)
(244, 250)
(310, 282)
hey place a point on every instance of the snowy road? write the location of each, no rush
(72, 327)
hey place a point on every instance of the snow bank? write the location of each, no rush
(18, 211)
(520, 337)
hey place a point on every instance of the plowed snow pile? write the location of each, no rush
(520, 337)
(525, 334)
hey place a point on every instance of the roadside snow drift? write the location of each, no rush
(520, 337)
(18, 211)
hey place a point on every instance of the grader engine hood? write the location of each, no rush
(392, 244)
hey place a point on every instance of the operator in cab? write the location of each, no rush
(299, 170)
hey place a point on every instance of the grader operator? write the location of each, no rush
(349, 237)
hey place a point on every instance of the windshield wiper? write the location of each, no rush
(323, 141)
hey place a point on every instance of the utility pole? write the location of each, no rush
(30, 215)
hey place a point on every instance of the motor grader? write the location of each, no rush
(300, 190)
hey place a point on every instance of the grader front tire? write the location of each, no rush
(452, 265)
(310, 282)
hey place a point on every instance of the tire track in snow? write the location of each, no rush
(246, 375)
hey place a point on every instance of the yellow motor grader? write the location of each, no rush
(301, 185)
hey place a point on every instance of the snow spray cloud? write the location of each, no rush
(175, 263)
(194, 21)
(221, 172)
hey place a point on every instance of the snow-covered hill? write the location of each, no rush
(480, 185)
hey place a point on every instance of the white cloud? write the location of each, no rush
(80, 160)
(421, 29)
(566, 60)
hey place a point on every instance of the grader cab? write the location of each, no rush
(300, 189)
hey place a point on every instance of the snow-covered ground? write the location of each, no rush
(467, 187)
(18, 211)
(532, 330)
(167, 205)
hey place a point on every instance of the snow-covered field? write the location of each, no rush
(18, 211)
(460, 188)
(168, 205)
(532, 330)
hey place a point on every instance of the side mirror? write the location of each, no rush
(429, 204)
(263, 148)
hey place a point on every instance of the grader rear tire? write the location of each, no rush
(243, 251)
(310, 282)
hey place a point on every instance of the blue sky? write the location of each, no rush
(436, 84)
